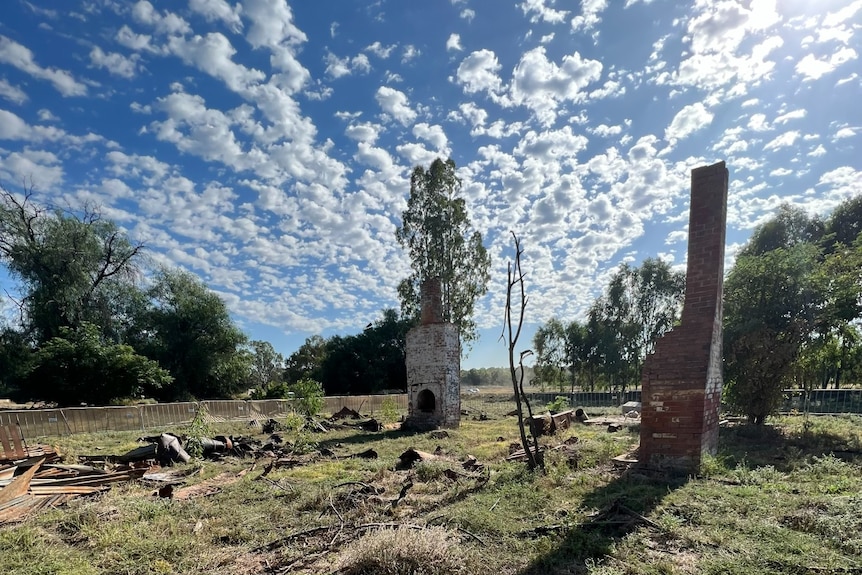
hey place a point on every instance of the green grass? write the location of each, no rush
(784, 498)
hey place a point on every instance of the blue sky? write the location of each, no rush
(266, 146)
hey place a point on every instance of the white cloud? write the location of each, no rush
(21, 57)
(213, 10)
(590, 14)
(845, 133)
(12, 127)
(758, 123)
(542, 11)
(468, 14)
(213, 55)
(134, 41)
(784, 140)
(478, 72)
(380, 50)
(690, 119)
(395, 104)
(115, 63)
(365, 132)
(12, 93)
(794, 115)
(541, 85)
(717, 34)
(46, 115)
(813, 69)
(842, 15)
(818, 151)
(43, 168)
(454, 42)
(410, 52)
(166, 23)
(604, 131)
(272, 27)
(432, 134)
(338, 67)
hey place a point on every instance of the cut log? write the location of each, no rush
(345, 413)
(409, 458)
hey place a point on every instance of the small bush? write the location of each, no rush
(560, 403)
(405, 551)
(197, 429)
(309, 396)
(389, 410)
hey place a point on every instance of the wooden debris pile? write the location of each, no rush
(34, 484)
(13, 447)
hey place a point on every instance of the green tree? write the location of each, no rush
(771, 302)
(638, 306)
(73, 269)
(435, 230)
(844, 225)
(188, 330)
(578, 346)
(307, 361)
(79, 366)
(789, 227)
(267, 365)
(16, 361)
(370, 361)
(307, 396)
(549, 347)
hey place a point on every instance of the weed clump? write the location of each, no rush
(405, 551)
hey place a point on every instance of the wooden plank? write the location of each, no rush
(19, 486)
(4, 440)
(20, 451)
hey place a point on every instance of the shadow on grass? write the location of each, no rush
(622, 505)
(760, 445)
(625, 503)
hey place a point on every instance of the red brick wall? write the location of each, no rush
(682, 379)
(431, 301)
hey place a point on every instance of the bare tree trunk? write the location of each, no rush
(516, 278)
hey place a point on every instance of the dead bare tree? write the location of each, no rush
(511, 334)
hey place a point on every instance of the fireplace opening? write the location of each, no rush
(425, 401)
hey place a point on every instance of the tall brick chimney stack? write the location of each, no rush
(682, 378)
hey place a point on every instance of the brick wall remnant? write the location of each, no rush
(433, 357)
(682, 379)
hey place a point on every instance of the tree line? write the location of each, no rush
(93, 324)
(607, 350)
(86, 328)
(792, 311)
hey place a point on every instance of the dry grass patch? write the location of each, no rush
(407, 551)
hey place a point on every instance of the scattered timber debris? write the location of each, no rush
(550, 423)
(47, 485)
(345, 413)
(567, 448)
(14, 447)
(204, 488)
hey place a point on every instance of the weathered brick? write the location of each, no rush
(682, 380)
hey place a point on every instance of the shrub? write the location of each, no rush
(560, 403)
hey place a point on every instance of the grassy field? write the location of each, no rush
(786, 498)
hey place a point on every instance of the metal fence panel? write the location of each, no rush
(170, 416)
